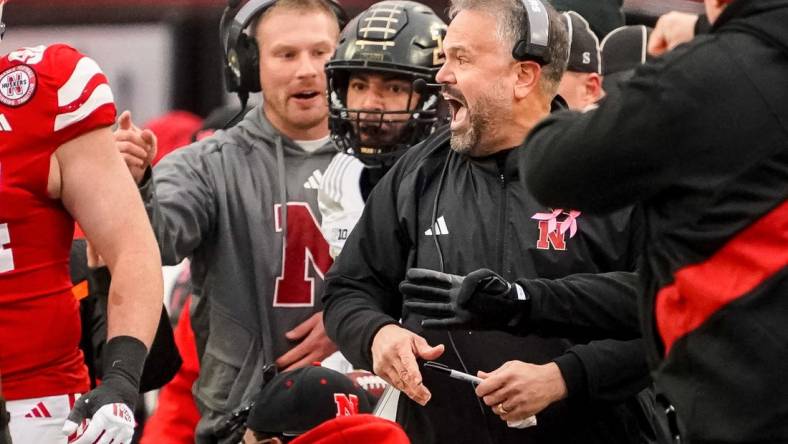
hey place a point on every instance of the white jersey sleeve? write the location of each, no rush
(340, 201)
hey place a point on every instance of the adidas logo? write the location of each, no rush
(39, 411)
(4, 125)
(314, 181)
(440, 228)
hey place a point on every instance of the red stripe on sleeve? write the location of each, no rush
(96, 80)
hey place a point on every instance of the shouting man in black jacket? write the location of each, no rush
(458, 205)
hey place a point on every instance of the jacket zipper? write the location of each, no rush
(502, 226)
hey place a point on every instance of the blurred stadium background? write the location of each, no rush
(165, 54)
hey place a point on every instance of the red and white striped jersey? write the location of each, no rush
(48, 96)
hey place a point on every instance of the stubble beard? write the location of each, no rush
(482, 121)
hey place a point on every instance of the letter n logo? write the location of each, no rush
(547, 238)
(347, 405)
(305, 248)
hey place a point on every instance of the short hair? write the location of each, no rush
(295, 5)
(512, 26)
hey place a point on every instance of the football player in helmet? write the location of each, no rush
(375, 112)
(58, 164)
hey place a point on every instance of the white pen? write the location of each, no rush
(452, 373)
(437, 366)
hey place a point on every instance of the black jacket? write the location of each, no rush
(484, 215)
(700, 137)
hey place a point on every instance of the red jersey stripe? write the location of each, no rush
(94, 82)
(744, 262)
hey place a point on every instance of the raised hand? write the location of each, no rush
(138, 147)
(394, 354)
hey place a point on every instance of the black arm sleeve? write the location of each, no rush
(702, 26)
(584, 306)
(361, 293)
(610, 157)
(592, 306)
(674, 127)
(606, 370)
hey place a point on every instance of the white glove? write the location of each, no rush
(112, 423)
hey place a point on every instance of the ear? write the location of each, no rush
(593, 87)
(528, 74)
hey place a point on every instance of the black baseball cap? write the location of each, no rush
(583, 44)
(623, 50)
(603, 15)
(294, 402)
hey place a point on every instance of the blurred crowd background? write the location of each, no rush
(176, 62)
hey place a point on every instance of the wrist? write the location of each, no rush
(384, 328)
(383, 331)
(123, 361)
(557, 383)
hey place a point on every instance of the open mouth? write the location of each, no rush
(458, 111)
(306, 95)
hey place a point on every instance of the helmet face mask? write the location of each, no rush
(378, 135)
(392, 42)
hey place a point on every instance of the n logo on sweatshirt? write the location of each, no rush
(304, 246)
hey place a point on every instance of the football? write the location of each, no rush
(372, 384)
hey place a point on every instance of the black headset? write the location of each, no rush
(535, 45)
(241, 56)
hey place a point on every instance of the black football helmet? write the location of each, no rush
(391, 37)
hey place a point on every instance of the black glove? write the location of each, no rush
(481, 300)
(109, 408)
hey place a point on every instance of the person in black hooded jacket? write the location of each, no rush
(445, 210)
(700, 138)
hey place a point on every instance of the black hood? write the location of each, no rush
(767, 19)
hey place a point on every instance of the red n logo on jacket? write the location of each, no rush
(552, 231)
(547, 238)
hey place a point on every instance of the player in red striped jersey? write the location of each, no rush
(58, 164)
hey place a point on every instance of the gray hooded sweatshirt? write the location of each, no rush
(218, 202)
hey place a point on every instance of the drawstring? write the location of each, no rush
(280, 166)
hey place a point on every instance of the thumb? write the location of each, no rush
(69, 427)
(656, 44)
(426, 351)
(483, 375)
(124, 121)
(148, 137)
(300, 330)
(77, 414)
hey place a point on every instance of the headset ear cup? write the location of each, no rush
(248, 63)
(520, 50)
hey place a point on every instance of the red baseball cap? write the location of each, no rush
(354, 430)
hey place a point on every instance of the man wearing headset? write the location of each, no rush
(455, 204)
(243, 205)
(57, 164)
